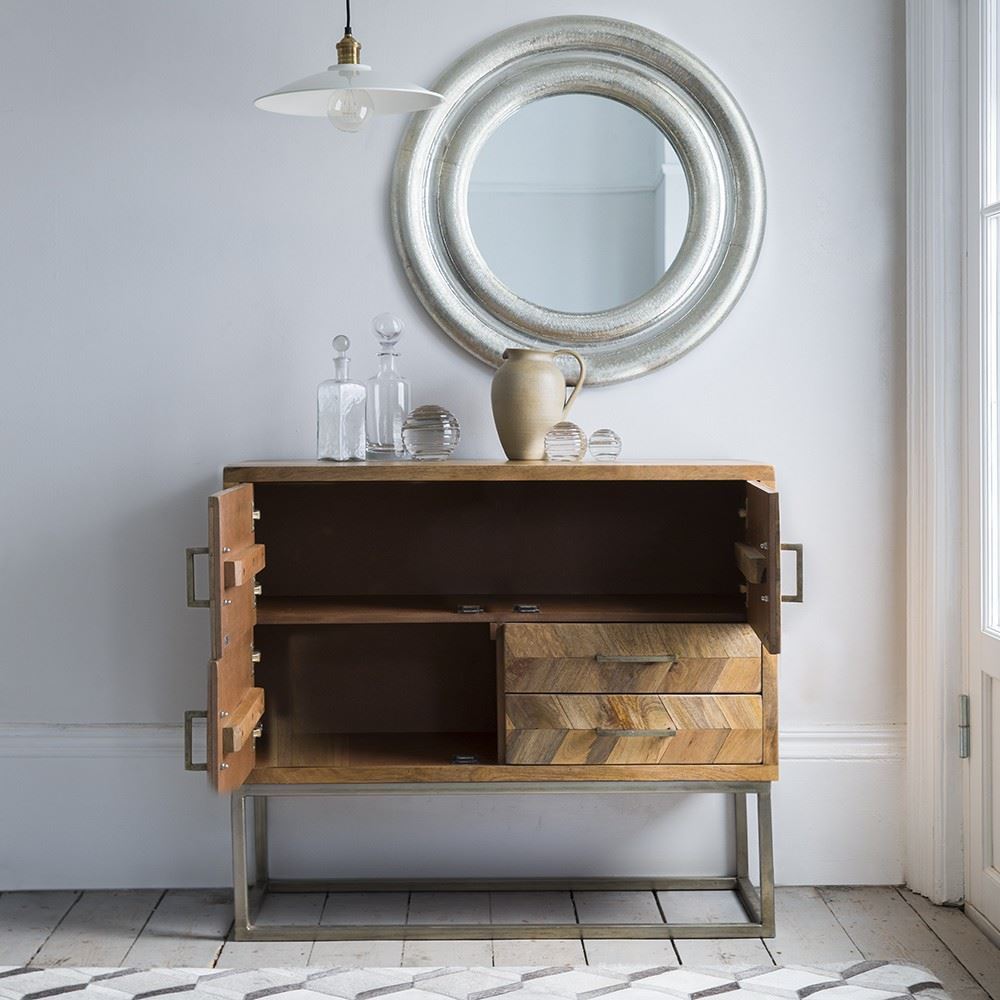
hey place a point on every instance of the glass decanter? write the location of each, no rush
(388, 393)
(340, 411)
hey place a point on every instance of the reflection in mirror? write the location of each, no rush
(578, 203)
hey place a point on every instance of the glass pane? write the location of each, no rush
(578, 203)
(990, 791)
(991, 427)
(991, 99)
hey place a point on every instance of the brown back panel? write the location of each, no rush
(376, 679)
(500, 537)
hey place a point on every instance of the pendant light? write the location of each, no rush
(349, 94)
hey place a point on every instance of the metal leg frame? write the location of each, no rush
(248, 892)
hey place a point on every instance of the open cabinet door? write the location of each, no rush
(760, 561)
(235, 706)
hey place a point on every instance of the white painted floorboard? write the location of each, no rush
(547, 952)
(532, 908)
(191, 928)
(26, 921)
(99, 929)
(807, 932)
(278, 908)
(186, 930)
(684, 906)
(962, 938)
(447, 953)
(364, 954)
(616, 908)
(605, 951)
(882, 925)
(365, 908)
(449, 908)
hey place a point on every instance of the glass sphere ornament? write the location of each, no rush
(565, 442)
(605, 445)
(430, 433)
(349, 110)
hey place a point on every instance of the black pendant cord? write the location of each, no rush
(347, 28)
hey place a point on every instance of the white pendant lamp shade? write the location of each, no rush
(348, 93)
(310, 96)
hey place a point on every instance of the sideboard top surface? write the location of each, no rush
(486, 471)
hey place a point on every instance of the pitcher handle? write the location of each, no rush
(579, 381)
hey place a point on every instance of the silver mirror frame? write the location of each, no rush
(613, 59)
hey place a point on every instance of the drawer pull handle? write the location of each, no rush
(795, 598)
(192, 599)
(662, 658)
(189, 762)
(637, 732)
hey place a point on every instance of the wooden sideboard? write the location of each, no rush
(492, 625)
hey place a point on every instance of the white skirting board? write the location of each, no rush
(110, 806)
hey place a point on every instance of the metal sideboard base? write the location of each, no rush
(250, 885)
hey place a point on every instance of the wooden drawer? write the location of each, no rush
(633, 729)
(633, 658)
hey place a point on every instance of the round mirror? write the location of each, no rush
(587, 184)
(578, 203)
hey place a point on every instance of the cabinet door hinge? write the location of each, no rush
(964, 738)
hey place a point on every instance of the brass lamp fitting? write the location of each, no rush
(348, 51)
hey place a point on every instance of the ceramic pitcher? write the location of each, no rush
(529, 396)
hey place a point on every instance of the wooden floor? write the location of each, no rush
(190, 928)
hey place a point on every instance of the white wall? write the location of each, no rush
(173, 265)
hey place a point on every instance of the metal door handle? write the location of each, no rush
(189, 717)
(192, 599)
(795, 547)
(659, 658)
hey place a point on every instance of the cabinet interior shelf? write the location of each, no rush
(415, 609)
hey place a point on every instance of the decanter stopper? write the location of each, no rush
(341, 362)
(388, 329)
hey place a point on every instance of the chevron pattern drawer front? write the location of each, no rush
(619, 728)
(683, 658)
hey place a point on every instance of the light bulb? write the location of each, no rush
(349, 110)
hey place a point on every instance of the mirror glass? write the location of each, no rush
(578, 203)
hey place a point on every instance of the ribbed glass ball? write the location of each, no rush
(430, 433)
(565, 442)
(605, 445)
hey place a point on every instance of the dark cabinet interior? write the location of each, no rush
(380, 601)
